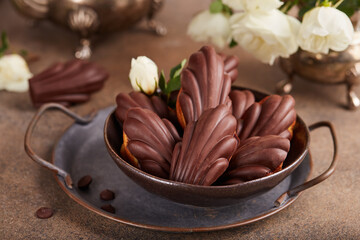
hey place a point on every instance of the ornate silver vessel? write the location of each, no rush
(333, 68)
(88, 17)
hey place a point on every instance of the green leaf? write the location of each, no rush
(233, 43)
(173, 85)
(4, 43)
(306, 6)
(162, 81)
(175, 71)
(227, 10)
(349, 7)
(216, 6)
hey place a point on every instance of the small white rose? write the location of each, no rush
(250, 5)
(210, 27)
(144, 75)
(325, 28)
(14, 73)
(266, 35)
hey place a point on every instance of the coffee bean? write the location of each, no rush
(44, 212)
(107, 195)
(109, 208)
(84, 182)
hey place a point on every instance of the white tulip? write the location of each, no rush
(267, 35)
(210, 27)
(14, 73)
(250, 5)
(325, 28)
(144, 75)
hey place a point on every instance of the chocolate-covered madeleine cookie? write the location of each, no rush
(256, 157)
(67, 83)
(241, 101)
(207, 145)
(204, 85)
(274, 115)
(231, 63)
(125, 101)
(149, 141)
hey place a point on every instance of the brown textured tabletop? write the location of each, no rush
(329, 210)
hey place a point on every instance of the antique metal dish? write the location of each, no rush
(81, 150)
(333, 68)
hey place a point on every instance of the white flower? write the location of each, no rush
(144, 75)
(325, 28)
(210, 27)
(250, 5)
(267, 35)
(14, 73)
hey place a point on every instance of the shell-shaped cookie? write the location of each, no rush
(257, 157)
(204, 85)
(274, 115)
(231, 63)
(206, 148)
(150, 140)
(125, 101)
(241, 101)
(67, 83)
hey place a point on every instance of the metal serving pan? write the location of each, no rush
(81, 151)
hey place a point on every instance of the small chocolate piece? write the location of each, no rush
(108, 207)
(84, 182)
(107, 195)
(67, 83)
(230, 65)
(204, 85)
(255, 158)
(44, 212)
(206, 148)
(274, 115)
(149, 141)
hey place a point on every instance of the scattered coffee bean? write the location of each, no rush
(44, 212)
(107, 195)
(109, 208)
(84, 182)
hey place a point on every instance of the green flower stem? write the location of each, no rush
(338, 3)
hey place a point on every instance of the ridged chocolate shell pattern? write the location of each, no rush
(272, 116)
(204, 85)
(67, 83)
(231, 63)
(207, 145)
(150, 140)
(241, 101)
(256, 157)
(125, 101)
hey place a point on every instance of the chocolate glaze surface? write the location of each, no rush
(241, 101)
(208, 144)
(150, 140)
(272, 116)
(204, 85)
(125, 101)
(231, 63)
(255, 158)
(67, 83)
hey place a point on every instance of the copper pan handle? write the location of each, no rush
(30, 129)
(328, 172)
